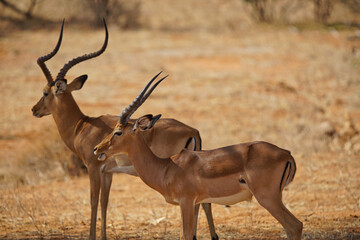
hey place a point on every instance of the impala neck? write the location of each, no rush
(150, 168)
(67, 116)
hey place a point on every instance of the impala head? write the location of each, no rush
(116, 142)
(55, 91)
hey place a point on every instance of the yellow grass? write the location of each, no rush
(278, 85)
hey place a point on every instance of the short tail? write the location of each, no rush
(288, 174)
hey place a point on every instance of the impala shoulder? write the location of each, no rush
(102, 123)
(185, 158)
(107, 119)
(173, 123)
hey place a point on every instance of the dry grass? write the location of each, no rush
(46, 158)
(297, 89)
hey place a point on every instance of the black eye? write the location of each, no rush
(45, 94)
(117, 133)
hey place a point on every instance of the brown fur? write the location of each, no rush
(193, 177)
(81, 133)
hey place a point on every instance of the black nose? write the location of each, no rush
(34, 112)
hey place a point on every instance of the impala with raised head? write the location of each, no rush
(225, 176)
(81, 133)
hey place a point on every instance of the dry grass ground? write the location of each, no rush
(299, 90)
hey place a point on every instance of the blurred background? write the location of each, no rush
(283, 71)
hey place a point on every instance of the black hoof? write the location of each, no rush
(215, 238)
(194, 238)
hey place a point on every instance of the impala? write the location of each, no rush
(225, 176)
(81, 133)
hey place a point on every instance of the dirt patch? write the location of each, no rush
(277, 86)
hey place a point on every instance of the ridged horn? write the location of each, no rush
(73, 62)
(139, 100)
(41, 60)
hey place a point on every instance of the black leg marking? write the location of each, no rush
(215, 238)
(194, 238)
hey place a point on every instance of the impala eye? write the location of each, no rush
(117, 133)
(46, 94)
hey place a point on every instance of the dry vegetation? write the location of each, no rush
(235, 82)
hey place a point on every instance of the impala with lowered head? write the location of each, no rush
(225, 175)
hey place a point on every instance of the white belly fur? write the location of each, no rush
(124, 169)
(230, 200)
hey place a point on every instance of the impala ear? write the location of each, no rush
(154, 120)
(60, 87)
(146, 122)
(77, 83)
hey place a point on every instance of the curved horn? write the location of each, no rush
(143, 99)
(124, 117)
(139, 100)
(41, 60)
(73, 62)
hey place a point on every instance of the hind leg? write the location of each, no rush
(275, 206)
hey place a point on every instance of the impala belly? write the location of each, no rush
(224, 190)
(171, 200)
(244, 195)
(124, 169)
